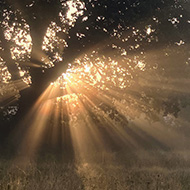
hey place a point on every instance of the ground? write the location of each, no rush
(154, 170)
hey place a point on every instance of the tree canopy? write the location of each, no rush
(120, 59)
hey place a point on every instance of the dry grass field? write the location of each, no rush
(151, 171)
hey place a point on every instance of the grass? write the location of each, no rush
(168, 171)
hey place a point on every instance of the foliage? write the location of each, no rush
(134, 54)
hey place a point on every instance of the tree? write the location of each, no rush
(129, 52)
